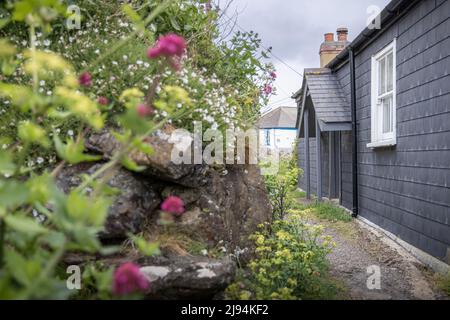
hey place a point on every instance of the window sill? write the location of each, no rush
(382, 144)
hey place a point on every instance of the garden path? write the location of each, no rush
(359, 247)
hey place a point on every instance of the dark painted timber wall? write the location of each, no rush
(302, 162)
(406, 189)
(313, 164)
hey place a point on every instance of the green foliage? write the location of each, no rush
(146, 248)
(223, 78)
(281, 187)
(38, 222)
(96, 280)
(46, 113)
(330, 212)
(290, 263)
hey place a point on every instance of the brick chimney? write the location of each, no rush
(331, 48)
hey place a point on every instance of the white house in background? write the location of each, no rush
(277, 129)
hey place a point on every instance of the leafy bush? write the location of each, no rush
(290, 263)
(224, 80)
(56, 85)
(281, 187)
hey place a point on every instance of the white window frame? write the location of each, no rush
(378, 138)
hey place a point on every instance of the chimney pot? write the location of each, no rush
(342, 34)
(329, 37)
(330, 48)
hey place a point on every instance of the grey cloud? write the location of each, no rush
(295, 29)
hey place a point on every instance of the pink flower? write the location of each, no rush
(128, 279)
(273, 75)
(85, 79)
(267, 89)
(103, 101)
(144, 110)
(173, 205)
(170, 45)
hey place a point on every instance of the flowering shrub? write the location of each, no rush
(128, 279)
(224, 80)
(39, 224)
(290, 263)
(173, 205)
(129, 66)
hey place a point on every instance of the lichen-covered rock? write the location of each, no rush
(188, 277)
(224, 205)
(136, 203)
(228, 203)
(158, 164)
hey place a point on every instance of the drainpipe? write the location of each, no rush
(354, 133)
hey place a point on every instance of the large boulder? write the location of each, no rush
(133, 207)
(224, 205)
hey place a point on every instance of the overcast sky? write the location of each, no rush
(295, 29)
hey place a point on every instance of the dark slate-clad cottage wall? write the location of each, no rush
(406, 189)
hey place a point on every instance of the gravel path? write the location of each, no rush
(358, 247)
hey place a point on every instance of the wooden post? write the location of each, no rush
(319, 162)
(307, 160)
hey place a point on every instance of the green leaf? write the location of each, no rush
(17, 265)
(25, 225)
(174, 23)
(4, 22)
(54, 239)
(8, 67)
(41, 187)
(86, 239)
(21, 10)
(21, 96)
(131, 14)
(32, 133)
(86, 209)
(131, 165)
(12, 193)
(132, 121)
(72, 152)
(142, 146)
(146, 248)
(7, 167)
(7, 50)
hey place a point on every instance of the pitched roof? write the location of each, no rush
(329, 100)
(281, 117)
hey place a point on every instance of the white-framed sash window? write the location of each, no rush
(383, 94)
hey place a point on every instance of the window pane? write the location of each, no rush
(387, 114)
(382, 77)
(267, 137)
(390, 72)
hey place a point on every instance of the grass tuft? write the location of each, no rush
(330, 212)
(443, 282)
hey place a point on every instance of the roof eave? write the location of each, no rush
(388, 13)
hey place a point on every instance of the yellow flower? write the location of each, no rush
(260, 240)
